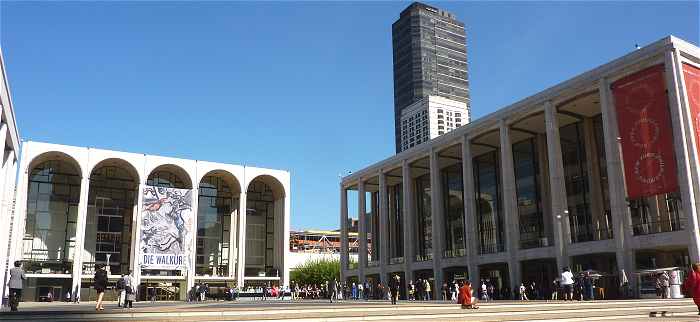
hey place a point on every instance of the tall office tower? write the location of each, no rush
(430, 59)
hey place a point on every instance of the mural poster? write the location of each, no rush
(692, 86)
(166, 234)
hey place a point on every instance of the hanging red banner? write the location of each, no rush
(646, 135)
(692, 87)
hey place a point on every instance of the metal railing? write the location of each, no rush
(450, 253)
(655, 227)
(424, 258)
(586, 233)
(535, 243)
(491, 248)
(395, 260)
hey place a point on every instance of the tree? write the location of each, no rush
(316, 272)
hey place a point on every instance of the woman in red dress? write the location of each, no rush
(465, 296)
(691, 286)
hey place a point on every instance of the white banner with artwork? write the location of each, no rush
(166, 233)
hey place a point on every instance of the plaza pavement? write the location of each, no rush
(322, 311)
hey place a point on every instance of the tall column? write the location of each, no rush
(557, 186)
(80, 232)
(684, 144)
(510, 205)
(233, 239)
(362, 228)
(438, 227)
(242, 218)
(593, 171)
(470, 226)
(619, 212)
(383, 228)
(136, 235)
(285, 238)
(4, 218)
(191, 272)
(409, 212)
(344, 249)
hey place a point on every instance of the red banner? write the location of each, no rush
(646, 134)
(692, 87)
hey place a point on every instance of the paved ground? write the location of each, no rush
(321, 311)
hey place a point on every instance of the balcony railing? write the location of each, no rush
(424, 258)
(395, 260)
(535, 243)
(373, 264)
(586, 233)
(491, 248)
(450, 253)
(655, 227)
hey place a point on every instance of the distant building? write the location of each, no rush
(309, 245)
(430, 58)
(429, 118)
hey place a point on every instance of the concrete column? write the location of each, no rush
(4, 218)
(232, 239)
(593, 171)
(621, 219)
(470, 226)
(285, 238)
(383, 228)
(242, 216)
(437, 212)
(543, 185)
(344, 240)
(80, 231)
(557, 186)
(409, 213)
(510, 205)
(135, 264)
(684, 144)
(362, 230)
(193, 242)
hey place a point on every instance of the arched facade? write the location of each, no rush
(91, 200)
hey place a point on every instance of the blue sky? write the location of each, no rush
(301, 86)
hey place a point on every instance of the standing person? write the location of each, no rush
(332, 290)
(665, 285)
(129, 291)
(394, 286)
(465, 298)
(419, 289)
(427, 289)
(445, 289)
(567, 282)
(555, 289)
(691, 285)
(523, 292)
(484, 291)
(588, 286)
(100, 283)
(411, 290)
(354, 291)
(454, 288)
(16, 284)
(121, 289)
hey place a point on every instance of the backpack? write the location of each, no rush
(121, 284)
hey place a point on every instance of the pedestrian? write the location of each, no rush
(427, 289)
(354, 291)
(361, 290)
(419, 289)
(665, 285)
(129, 291)
(121, 289)
(555, 289)
(394, 286)
(100, 283)
(445, 289)
(691, 286)
(523, 292)
(16, 284)
(411, 290)
(588, 286)
(567, 282)
(484, 291)
(332, 290)
(454, 288)
(465, 298)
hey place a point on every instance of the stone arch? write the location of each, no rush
(169, 175)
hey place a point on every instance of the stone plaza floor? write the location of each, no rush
(321, 311)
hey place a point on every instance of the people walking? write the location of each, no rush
(129, 291)
(523, 292)
(567, 283)
(426, 287)
(360, 290)
(121, 289)
(16, 284)
(691, 285)
(100, 282)
(394, 286)
(411, 290)
(484, 292)
(555, 289)
(665, 285)
(454, 288)
(445, 290)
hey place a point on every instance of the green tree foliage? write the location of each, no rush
(316, 272)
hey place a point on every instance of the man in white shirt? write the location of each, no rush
(567, 283)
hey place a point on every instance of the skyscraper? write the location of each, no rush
(430, 59)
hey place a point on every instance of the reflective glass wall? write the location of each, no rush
(453, 193)
(395, 202)
(487, 187)
(424, 222)
(214, 220)
(529, 197)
